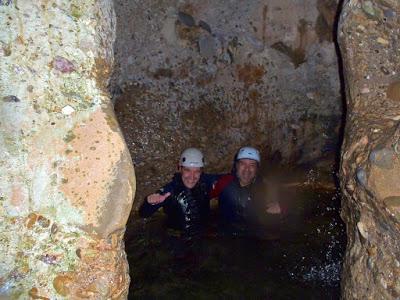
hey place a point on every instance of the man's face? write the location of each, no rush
(246, 171)
(190, 176)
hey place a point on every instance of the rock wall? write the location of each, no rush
(370, 167)
(222, 74)
(66, 178)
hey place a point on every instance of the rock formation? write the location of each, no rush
(66, 178)
(369, 42)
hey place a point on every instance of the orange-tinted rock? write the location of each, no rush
(62, 283)
(34, 294)
(31, 220)
(393, 91)
(250, 74)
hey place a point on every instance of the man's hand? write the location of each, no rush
(157, 198)
(274, 208)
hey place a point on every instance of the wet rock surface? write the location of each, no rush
(368, 37)
(219, 75)
(66, 178)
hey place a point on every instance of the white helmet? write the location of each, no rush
(249, 153)
(192, 157)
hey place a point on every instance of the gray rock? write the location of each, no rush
(388, 13)
(207, 46)
(361, 176)
(382, 158)
(205, 26)
(186, 19)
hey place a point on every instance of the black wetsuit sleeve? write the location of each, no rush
(146, 209)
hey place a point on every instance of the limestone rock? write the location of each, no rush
(66, 177)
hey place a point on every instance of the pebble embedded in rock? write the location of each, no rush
(11, 98)
(67, 110)
(361, 176)
(393, 91)
(388, 13)
(365, 90)
(382, 41)
(42, 221)
(207, 46)
(385, 71)
(186, 19)
(63, 65)
(368, 8)
(363, 230)
(205, 26)
(382, 158)
(370, 263)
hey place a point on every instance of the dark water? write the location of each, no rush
(296, 257)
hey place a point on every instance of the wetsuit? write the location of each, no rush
(238, 206)
(186, 209)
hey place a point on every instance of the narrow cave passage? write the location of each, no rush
(219, 77)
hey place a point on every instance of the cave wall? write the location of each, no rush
(66, 177)
(370, 167)
(220, 75)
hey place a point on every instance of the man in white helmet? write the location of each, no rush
(185, 199)
(238, 192)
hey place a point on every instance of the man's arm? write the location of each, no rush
(274, 208)
(151, 204)
(154, 201)
(273, 204)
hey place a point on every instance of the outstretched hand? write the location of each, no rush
(274, 208)
(157, 198)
